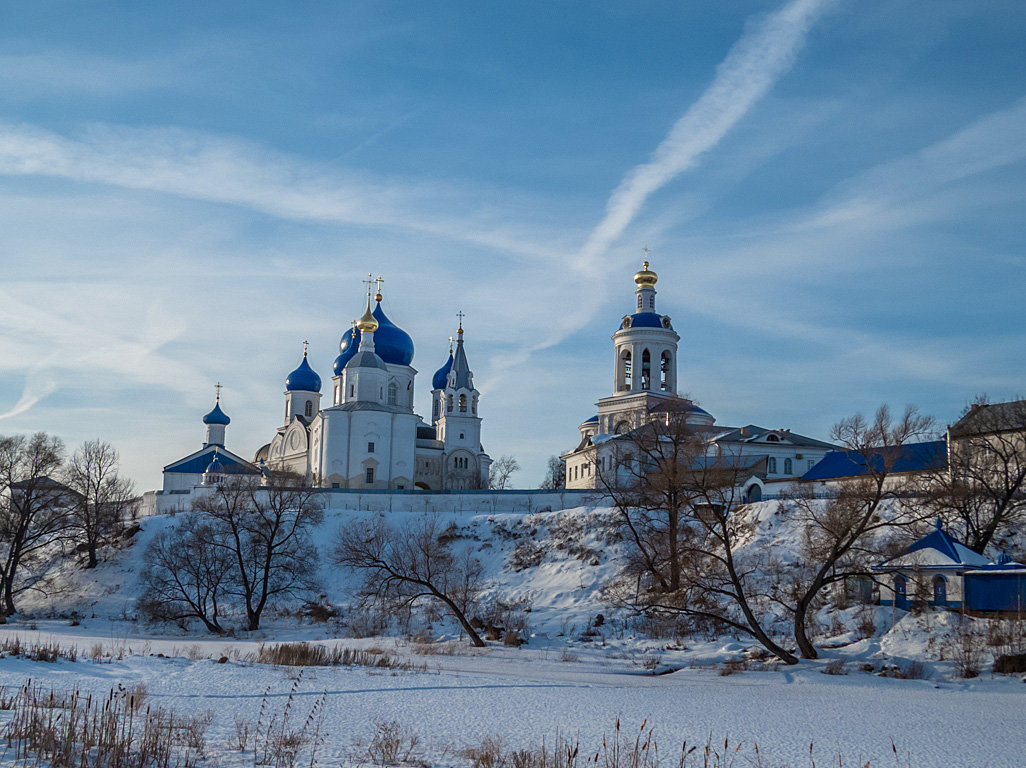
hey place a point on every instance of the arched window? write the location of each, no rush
(940, 590)
(771, 466)
(664, 372)
(308, 411)
(900, 591)
(787, 466)
(393, 393)
(646, 370)
(448, 403)
(463, 403)
(753, 494)
(625, 370)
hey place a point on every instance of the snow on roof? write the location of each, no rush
(936, 550)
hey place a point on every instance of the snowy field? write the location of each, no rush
(524, 695)
(557, 684)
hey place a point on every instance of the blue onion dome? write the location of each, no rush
(348, 346)
(438, 380)
(303, 379)
(391, 342)
(217, 416)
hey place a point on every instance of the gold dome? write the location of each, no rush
(646, 277)
(368, 323)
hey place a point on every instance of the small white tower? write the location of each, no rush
(459, 426)
(216, 421)
(302, 391)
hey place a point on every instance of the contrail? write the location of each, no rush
(762, 55)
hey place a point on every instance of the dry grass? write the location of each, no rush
(75, 730)
(37, 651)
(640, 749)
(309, 655)
(279, 737)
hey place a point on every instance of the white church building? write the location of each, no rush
(645, 385)
(367, 436)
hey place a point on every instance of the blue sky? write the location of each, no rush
(833, 193)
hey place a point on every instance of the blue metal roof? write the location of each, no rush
(391, 342)
(217, 416)
(646, 320)
(438, 380)
(197, 463)
(303, 379)
(592, 420)
(912, 457)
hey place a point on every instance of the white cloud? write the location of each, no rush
(765, 52)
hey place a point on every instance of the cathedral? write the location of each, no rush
(368, 435)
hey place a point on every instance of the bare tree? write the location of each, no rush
(34, 508)
(104, 495)
(676, 498)
(843, 533)
(555, 474)
(983, 487)
(409, 564)
(184, 576)
(264, 528)
(501, 471)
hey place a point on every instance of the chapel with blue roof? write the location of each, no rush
(367, 435)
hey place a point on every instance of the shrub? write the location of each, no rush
(1010, 664)
(392, 743)
(835, 667)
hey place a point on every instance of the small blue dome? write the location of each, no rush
(217, 416)
(392, 343)
(647, 320)
(438, 380)
(348, 346)
(303, 379)
(215, 467)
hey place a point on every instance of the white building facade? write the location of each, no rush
(645, 385)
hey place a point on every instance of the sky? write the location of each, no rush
(832, 193)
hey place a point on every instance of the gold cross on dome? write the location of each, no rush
(306, 345)
(379, 280)
(369, 282)
(460, 315)
(218, 388)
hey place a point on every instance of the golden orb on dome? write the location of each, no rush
(646, 277)
(367, 323)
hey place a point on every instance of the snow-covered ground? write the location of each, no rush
(555, 562)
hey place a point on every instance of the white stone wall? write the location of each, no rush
(483, 502)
